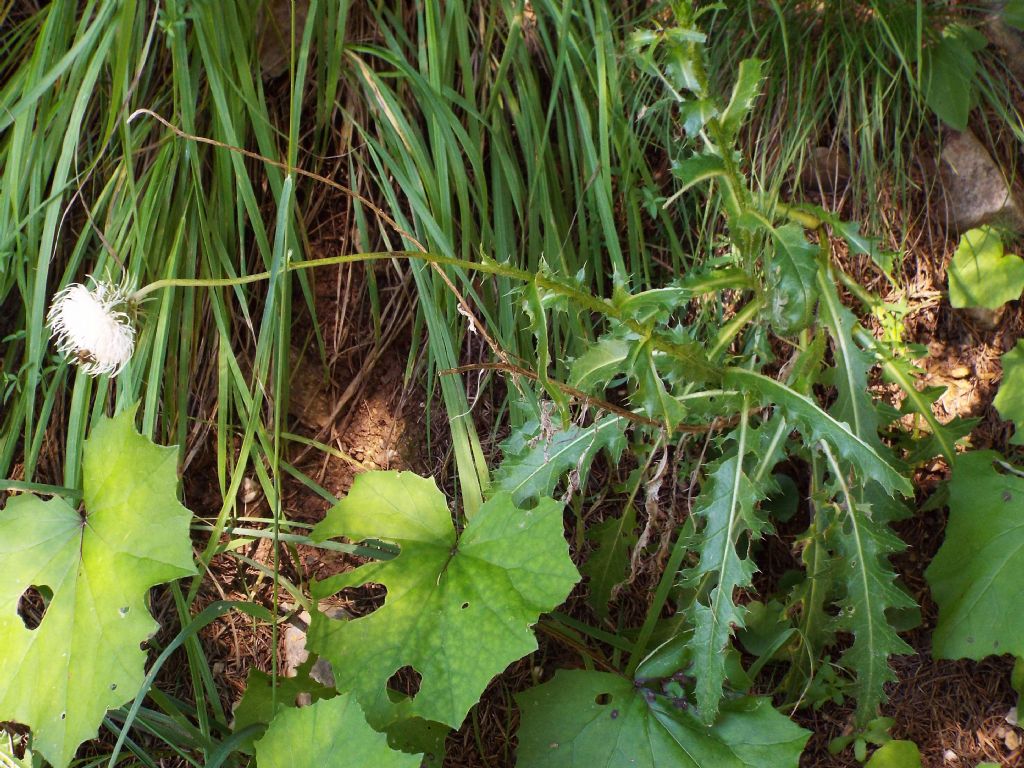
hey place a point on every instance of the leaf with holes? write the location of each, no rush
(322, 734)
(98, 566)
(976, 574)
(584, 719)
(458, 609)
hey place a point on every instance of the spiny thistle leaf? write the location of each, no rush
(865, 546)
(536, 469)
(458, 609)
(817, 425)
(586, 719)
(791, 280)
(853, 398)
(601, 363)
(744, 93)
(726, 504)
(84, 657)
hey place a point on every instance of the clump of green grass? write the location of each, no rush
(875, 81)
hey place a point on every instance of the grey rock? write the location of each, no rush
(295, 654)
(976, 190)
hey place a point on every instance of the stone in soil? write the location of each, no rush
(295, 653)
(976, 189)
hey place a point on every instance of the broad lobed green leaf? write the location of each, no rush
(976, 575)
(329, 732)
(982, 274)
(586, 719)
(84, 657)
(458, 609)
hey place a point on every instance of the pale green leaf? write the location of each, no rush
(896, 754)
(981, 274)
(698, 168)
(584, 719)
(84, 657)
(976, 575)
(694, 115)
(458, 610)
(263, 699)
(816, 424)
(327, 733)
(1009, 400)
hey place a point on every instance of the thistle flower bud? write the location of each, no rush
(91, 327)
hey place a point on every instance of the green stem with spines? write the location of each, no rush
(580, 297)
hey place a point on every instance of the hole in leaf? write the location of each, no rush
(123, 611)
(113, 686)
(32, 605)
(465, 606)
(406, 681)
(603, 698)
(363, 600)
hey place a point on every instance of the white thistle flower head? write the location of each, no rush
(91, 327)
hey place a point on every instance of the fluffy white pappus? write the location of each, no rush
(91, 328)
